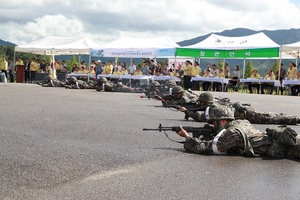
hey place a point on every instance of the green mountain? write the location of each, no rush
(278, 36)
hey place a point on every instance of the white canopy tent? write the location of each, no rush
(216, 46)
(59, 46)
(138, 48)
(292, 49)
(255, 41)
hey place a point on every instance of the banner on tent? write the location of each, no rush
(242, 53)
(179, 61)
(134, 53)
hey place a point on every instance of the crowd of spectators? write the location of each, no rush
(150, 67)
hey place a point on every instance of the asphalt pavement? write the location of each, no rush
(58, 143)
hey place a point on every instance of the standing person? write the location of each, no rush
(235, 77)
(145, 68)
(292, 71)
(240, 137)
(26, 70)
(152, 67)
(98, 68)
(282, 76)
(109, 68)
(19, 62)
(43, 66)
(187, 72)
(132, 68)
(33, 69)
(196, 71)
(4, 66)
(226, 70)
(11, 70)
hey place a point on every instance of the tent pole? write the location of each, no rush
(90, 57)
(244, 66)
(279, 66)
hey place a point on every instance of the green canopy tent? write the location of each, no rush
(221, 47)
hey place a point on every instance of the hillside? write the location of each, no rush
(6, 43)
(278, 36)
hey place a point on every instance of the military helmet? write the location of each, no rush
(206, 97)
(73, 80)
(218, 112)
(171, 83)
(177, 89)
(155, 84)
(102, 79)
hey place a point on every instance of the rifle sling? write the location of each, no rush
(180, 142)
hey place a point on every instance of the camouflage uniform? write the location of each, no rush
(243, 111)
(205, 99)
(109, 86)
(249, 113)
(48, 81)
(183, 100)
(153, 90)
(240, 137)
(73, 83)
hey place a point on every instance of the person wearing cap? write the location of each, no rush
(240, 137)
(98, 68)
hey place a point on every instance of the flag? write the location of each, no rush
(53, 67)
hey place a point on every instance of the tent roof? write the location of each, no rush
(291, 47)
(214, 41)
(137, 43)
(59, 46)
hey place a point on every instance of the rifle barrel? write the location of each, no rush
(151, 129)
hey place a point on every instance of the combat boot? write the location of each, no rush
(187, 116)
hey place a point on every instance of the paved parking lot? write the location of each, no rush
(82, 144)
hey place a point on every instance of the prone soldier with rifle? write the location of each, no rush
(240, 137)
(205, 132)
(179, 98)
(241, 111)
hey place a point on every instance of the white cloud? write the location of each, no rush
(107, 20)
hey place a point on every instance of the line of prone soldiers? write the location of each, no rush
(232, 123)
(101, 84)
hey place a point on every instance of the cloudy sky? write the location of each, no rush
(107, 20)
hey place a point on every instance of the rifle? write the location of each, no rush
(206, 131)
